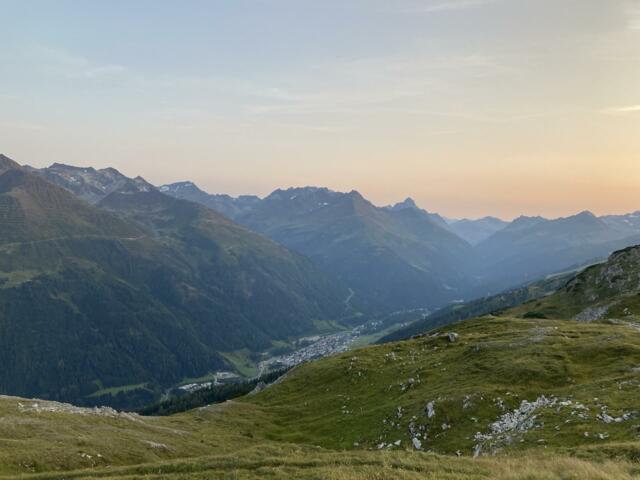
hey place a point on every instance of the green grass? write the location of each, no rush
(611, 286)
(293, 462)
(326, 418)
(327, 326)
(495, 362)
(241, 362)
(365, 340)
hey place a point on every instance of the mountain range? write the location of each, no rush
(111, 289)
(531, 247)
(140, 290)
(393, 258)
(466, 258)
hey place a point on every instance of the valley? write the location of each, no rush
(303, 350)
(268, 350)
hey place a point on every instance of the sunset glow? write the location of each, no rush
(473, 108)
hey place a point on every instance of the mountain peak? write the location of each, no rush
(7, 164)
(407, 203)
(525, 219)
(180, 187)
(585, 214)
(64, 167)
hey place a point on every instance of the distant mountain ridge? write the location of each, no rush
(393, 259)
(532, 247)
(503, 254)
(475, 231)
(230, 207)
(90, 184)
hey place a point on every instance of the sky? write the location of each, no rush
(471, 107)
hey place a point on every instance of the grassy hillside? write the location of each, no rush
(444, 393)
(482, 306)
(532, 398)
(608, 290)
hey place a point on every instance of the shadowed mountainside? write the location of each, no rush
(95, 304)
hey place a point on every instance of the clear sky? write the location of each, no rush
(472, 107)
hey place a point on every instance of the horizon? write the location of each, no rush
(471, 107)
(378, 205)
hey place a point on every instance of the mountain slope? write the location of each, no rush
(402, 257)
(607, 290)
(99, 308)
(522, 395)
(497, 385)
(281, 292)
(7, 164)
(230, 207)
(219, 445)
(31, 210)
(628, 224)
(74, 312)
(482, 306)
(393, 259)
(532, 247)
(90, 184)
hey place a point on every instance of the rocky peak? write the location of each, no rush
(7, 164)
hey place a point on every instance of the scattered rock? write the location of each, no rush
(592, 313)
(430, 410)
(606, 418)
(40, 406)
(406, 386)
(156, 446)
(511, 424)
